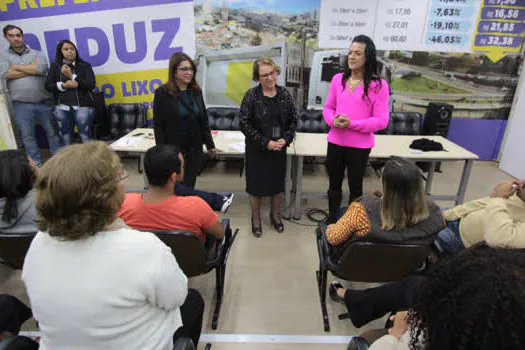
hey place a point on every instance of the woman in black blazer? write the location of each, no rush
(180, 116)
(71, 80)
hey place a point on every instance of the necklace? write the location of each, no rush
(353, 84)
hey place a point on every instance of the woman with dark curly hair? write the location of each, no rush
(475, 300)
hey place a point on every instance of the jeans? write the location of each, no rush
(214, 200)
(449, 238)
(26, 115)
(83, 118)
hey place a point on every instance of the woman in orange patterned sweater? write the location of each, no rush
(401, 215)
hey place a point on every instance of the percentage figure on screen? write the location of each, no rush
(448, 12)
(443, 25)
(446, 39)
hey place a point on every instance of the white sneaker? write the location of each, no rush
(228, 199)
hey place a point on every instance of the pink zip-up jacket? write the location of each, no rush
(366, 115)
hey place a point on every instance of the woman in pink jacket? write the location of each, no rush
(356, 107)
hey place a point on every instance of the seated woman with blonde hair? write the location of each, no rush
(92, 282)
(402, 215)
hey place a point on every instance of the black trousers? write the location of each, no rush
(191, 313)
(339, 159)
(193, 161)
(214, 200)
(369, 304)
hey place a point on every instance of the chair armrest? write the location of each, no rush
(183, 344)
(358, 343)
(226, 229)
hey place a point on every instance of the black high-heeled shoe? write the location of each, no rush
(256, 230)
(277, 225)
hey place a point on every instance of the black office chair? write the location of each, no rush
(14, 247)
(194, 260)
(358, 343)
(363, 261)
(18, 342)
(124, 118)
(399, 123)
(226, 118)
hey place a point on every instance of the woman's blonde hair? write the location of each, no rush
(77, 191)
(404, 202)
(263, 60)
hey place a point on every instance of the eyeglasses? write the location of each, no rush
(185, 69)
(267, 75)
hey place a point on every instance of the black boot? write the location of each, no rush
(334, 205)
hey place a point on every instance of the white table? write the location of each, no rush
(306, 144)
(230, 143)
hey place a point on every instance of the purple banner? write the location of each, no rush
(513, 14)
(501, 27)
(11, 11)
(505, 3)
(499, 41)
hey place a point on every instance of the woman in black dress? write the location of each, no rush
(180, 117)
(268, 120)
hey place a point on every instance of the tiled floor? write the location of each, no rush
(270, 282)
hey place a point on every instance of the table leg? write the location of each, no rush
(430, 177)
(298, 189)
(464, 181)
(146, 184)
(288, 188)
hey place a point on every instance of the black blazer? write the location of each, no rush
(253, 112)
(81, 96)
(166, 121)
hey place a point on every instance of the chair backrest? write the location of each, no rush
(101, 123)
(187, 249)
(403, 123)
(125, 118)
(14, 247)
(18, 342)
(311, 121)
(380, 262)
(223, 118)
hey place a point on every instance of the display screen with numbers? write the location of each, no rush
(424, 25)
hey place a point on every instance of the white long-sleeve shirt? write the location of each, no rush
(115, 290)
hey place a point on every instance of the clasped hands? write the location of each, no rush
(70, 84)
(341, 121)
(276, 145)
(508, 188)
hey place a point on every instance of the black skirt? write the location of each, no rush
(265, 171)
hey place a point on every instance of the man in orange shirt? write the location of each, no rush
(159, 208)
